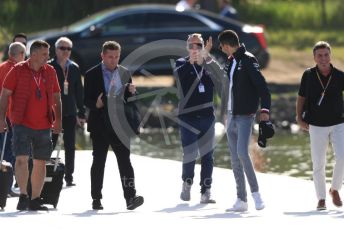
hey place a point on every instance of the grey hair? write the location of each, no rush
(16, 48)
(63, 39)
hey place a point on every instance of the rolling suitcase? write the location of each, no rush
(54, 179)
(6, 175)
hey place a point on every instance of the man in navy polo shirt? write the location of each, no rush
(196, 117)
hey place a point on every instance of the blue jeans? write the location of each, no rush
(239, 129)
(197, 136)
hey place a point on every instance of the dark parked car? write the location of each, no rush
(135, 26)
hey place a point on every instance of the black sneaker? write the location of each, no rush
(36, 205)
(97, 205)
(23, 202)
(70, 184)
(134, 202)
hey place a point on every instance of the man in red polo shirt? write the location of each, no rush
(35, 93)
(16, 53)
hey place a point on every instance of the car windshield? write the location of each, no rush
(89, 21)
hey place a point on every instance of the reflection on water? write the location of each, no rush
(285, 153)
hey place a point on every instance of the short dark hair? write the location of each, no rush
(19, 35)
(321, 45)
(110, 45)
(38, 44)
(229, 37)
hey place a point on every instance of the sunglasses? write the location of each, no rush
(63, 48)
(198, 46)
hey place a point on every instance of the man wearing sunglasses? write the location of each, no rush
(73, 110)
(196, 117)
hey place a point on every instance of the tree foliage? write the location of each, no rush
(35, 15)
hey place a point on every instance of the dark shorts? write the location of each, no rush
(26, 140)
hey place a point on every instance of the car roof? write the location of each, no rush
(149, 8)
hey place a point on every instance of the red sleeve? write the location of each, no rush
(10, 81)
(3, 72)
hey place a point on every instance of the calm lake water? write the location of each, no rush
(286, 153)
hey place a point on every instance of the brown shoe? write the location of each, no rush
(321, 205)
(336, 198)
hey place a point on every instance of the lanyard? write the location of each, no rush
(38, 82)
(323, 87)
(65, 72)
(198, 74)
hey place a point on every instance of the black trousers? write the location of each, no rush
(68, 125)
(101, 142)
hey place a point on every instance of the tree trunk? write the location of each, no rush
(323, 13)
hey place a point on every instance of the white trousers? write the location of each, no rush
(320, 138)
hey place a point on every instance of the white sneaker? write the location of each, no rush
(239, 206)
(205, 198)
(185, 194)
(258, 201)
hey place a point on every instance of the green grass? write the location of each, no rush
(296, 23)
(303, 39)
(293, 14)
(292, 54)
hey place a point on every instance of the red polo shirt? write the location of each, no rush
(5, 67)
(36, 113)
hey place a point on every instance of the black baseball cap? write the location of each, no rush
(266, 131)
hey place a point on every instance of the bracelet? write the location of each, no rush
(265, 111)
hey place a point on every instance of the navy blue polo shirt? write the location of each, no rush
(330, 111)
(196, 89)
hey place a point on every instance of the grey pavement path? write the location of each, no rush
(290, 202)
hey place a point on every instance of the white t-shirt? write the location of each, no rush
(183, 5)
(230, 95)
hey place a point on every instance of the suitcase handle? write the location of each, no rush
(3, 148)
(58, 149)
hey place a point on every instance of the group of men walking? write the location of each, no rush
(30, 101)
(40, 98)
